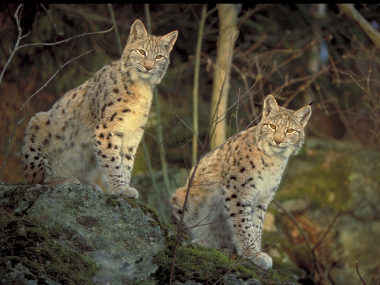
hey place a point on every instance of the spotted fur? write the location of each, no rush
(99, 124)
(233, 185)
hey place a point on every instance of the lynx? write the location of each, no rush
(233, 185)
(99, 124)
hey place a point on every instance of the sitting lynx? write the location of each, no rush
(233, 185)
(100, 123)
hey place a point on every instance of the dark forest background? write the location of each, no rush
(300, 53)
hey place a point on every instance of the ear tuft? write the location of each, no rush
(137, 32)
(270, 105)
(169, 40)
(303, 115)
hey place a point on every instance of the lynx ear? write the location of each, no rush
(137, 32)
(169, 40)
(303, 115)
(270, 105)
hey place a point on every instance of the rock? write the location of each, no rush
(74, 234)
(117, 234)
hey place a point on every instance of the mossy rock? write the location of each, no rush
(210, 266)
(73, 234)
(119, 235)
(29, 253)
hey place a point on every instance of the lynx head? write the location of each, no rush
(147, 56)
(281, 130)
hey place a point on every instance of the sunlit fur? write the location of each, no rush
(97, 126)
(233, 185)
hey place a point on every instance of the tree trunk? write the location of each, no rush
(228, 33)
(196, 83)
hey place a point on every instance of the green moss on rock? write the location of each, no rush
(209, 265)
(27, 245)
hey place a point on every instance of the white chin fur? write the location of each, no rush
(151, 77)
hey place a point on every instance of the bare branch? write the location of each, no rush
(52, 77)
(327, 231)
(67, 40)
(20, 37)
(16, 47)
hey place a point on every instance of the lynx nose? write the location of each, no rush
(149, 64)
(278, 139)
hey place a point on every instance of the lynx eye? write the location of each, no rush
(142, 52)
(289, 131)
(272, 126)
(158, 56)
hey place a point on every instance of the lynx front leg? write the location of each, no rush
(246, 237)
(258, 213)
(110, 157)
(128, 158)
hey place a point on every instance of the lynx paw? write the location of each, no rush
(262, 260)
(130, 192)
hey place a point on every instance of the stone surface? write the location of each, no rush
(74, 234)
(119, 236)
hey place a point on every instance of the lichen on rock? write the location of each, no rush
(74, 234)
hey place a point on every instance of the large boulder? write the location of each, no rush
(117, 235)
(74, 234)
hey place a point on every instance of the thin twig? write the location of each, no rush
(68, 39)
(327, 231)
(21, 37)
(16, 47)
(357, 271)
(52, 77)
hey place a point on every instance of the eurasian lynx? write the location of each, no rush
(100, 123)
(233, 185)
